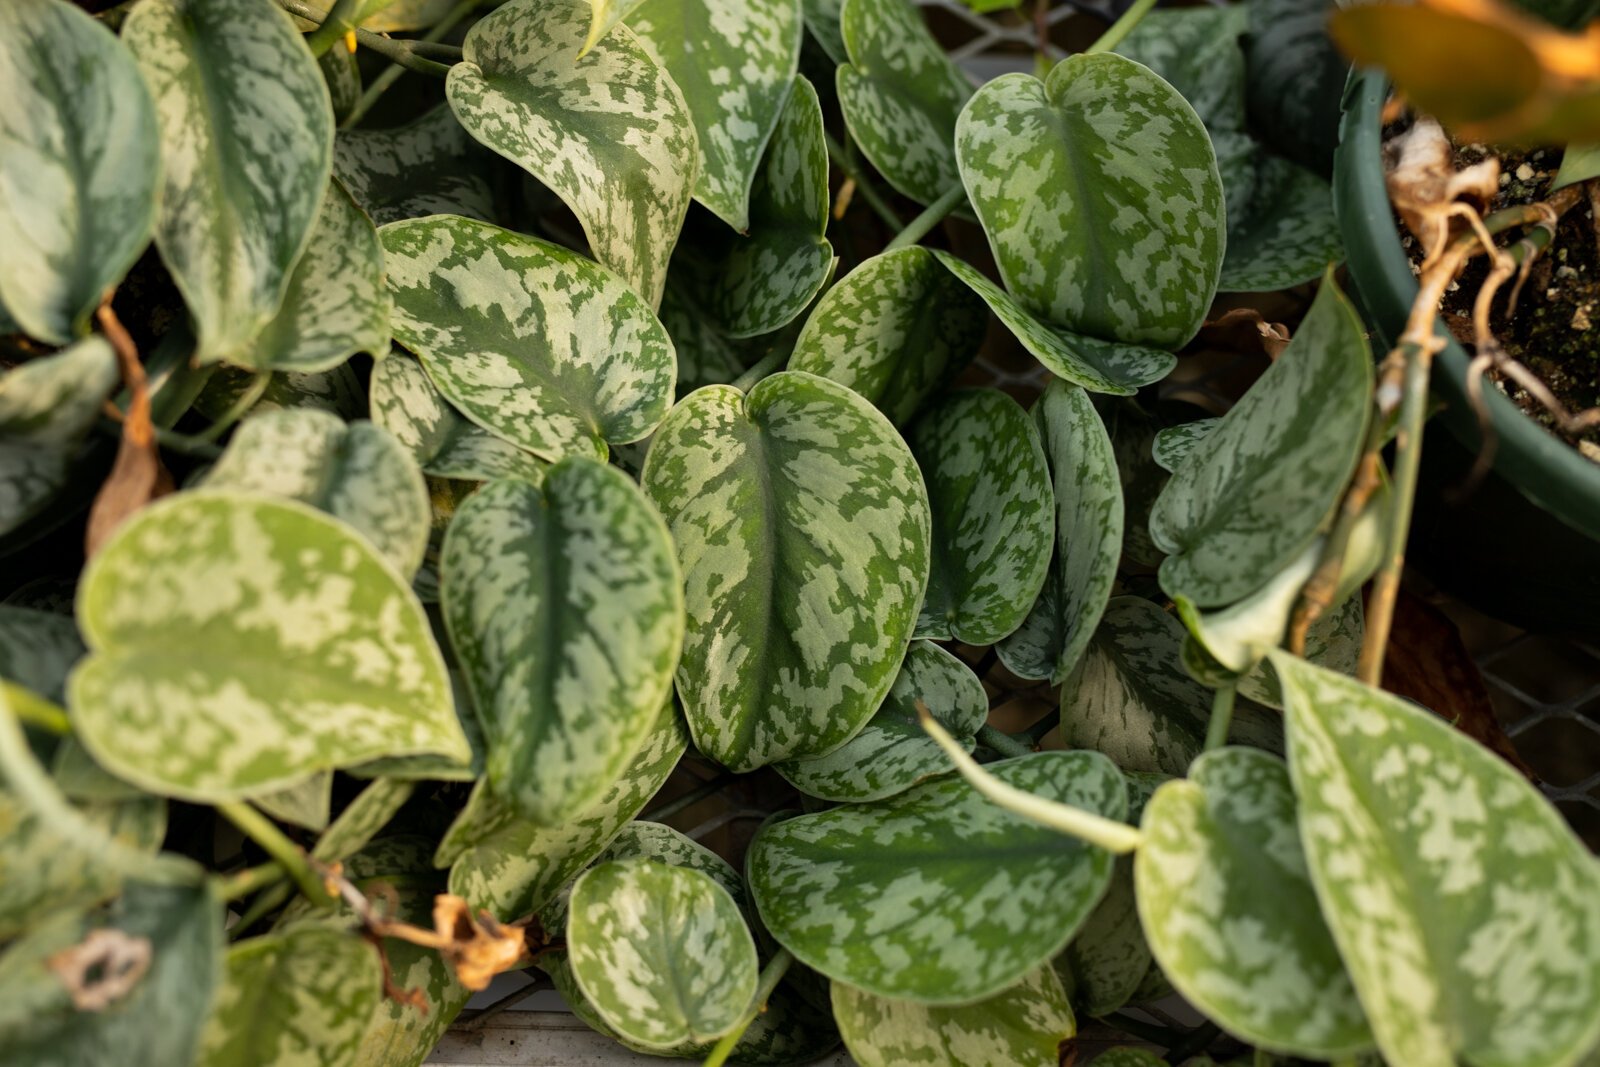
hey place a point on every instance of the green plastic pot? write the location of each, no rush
(1525, 545)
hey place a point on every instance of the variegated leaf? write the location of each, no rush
(357, 473)
(37, 649)
(1294, 78)
(823, 23)
(993, 515)
(662, 953)
(79, 170)
(531, 341)
(337, 391)
(1099, 366)
(246, 140)
(706, 356)
(1287, 236)
(361, 820)
(604, 14)
(1196, 51)
(565, 610)
(1274, 468)
(1467, 911)
(385, 16)
(1099, 191)
(1027, 1025)
(512, 866)
(937, 895)
(1229, 911)
(895, 330)
(1175, 444)
(406, 403)
(47, 406)
(802, 526)
(434, 768)
(609, 133)
(342, 74)
(1129, 1057)
(892, 753)
(735, 61)
(317, 654)
(304, 997)
(753, 283)
(430, 167)
(307, 803)
(1133, 432)
(1088, 497)
(900, 95)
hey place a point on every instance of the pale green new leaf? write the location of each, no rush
(892, 752)
(1467, 911)
(938, 895)
(565, 610)
(900, 95)
(317, 654)
(1088, 524)
(357, 473)
(79, 169)
(1288, 234)
(246, 140)
(990, 497)
(895, 330)
(430, 167)
(802, 527)
(405, 402)
(1025, 1026)
(530, 341)
(1099, 192)
(1273, 470)
(1229, 911)
(1176, 444)
(609, 133)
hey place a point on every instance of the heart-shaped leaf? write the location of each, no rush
(661, 952)
(1288, 234)
(245, 157)
(1099, 191)
(531, 341)
(735, 61)
(361, 820)
(430, 167)
(1229, 911)
(900, 95)
(993, 515)
(1467, 911)
(565, 610)
(357, 473)
(317, 654)
(78, 175)
(937, 895)
(1275, 466)
(1294, 79)
(895, 330)
(1024, 1026)
(1196, 51)
(892, 753)
(802, 526)
(1088, 496)
(609, 134)
(407, 404)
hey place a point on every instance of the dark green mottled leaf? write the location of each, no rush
(445, 443)
(430, 167)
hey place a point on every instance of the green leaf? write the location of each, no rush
(802, 527)
(1027, 1025)
(753, 283)
(434, 768)
(317, 654)
(307, 803)
(79, 170)
(1294, 78)
(357, 473)
(822, 20)
(1579, 163)
(1099, 366)
(1229, 912)
(37, 649)
(531, 341)
(1196, 51)
(246, 140)
(900, 95)
(892, 753)
(609, 134)
(1088, 496)
(937, 895)
(47, 406)
(990, 497)
(1133, 433)
(337, 391)
(735, 61)
(1287, 235)
(407, 404)
(1127, 1057)
(1274, 468)
(604, 14)
(1175, 444)
(1100, 195)
(895, 330)
(302, 997)
(430, 167)
(1466, 910)
(661, 952)
(513, 866)
(565, 610)
(359, 822)
(706, 356)
(385, 16)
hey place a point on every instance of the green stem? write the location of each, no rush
(268, 902)
(842, 158)
(290, 856)
(1221, 717)
(397, 51)
(237, 410)
(35, 710)
(931, 216)
(250, 880)
(689, 799)
(771, 975)
(382, 82)
(340, 21)
(765, 366)
(1121, 28)
(1002, 742)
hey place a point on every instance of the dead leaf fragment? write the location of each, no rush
(1243, 330)
(1428, 190)
(137, 477)
(478, 947)
(101, 969)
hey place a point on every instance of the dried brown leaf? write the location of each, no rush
(137, 477)
(1428, 190)
(101, 969)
